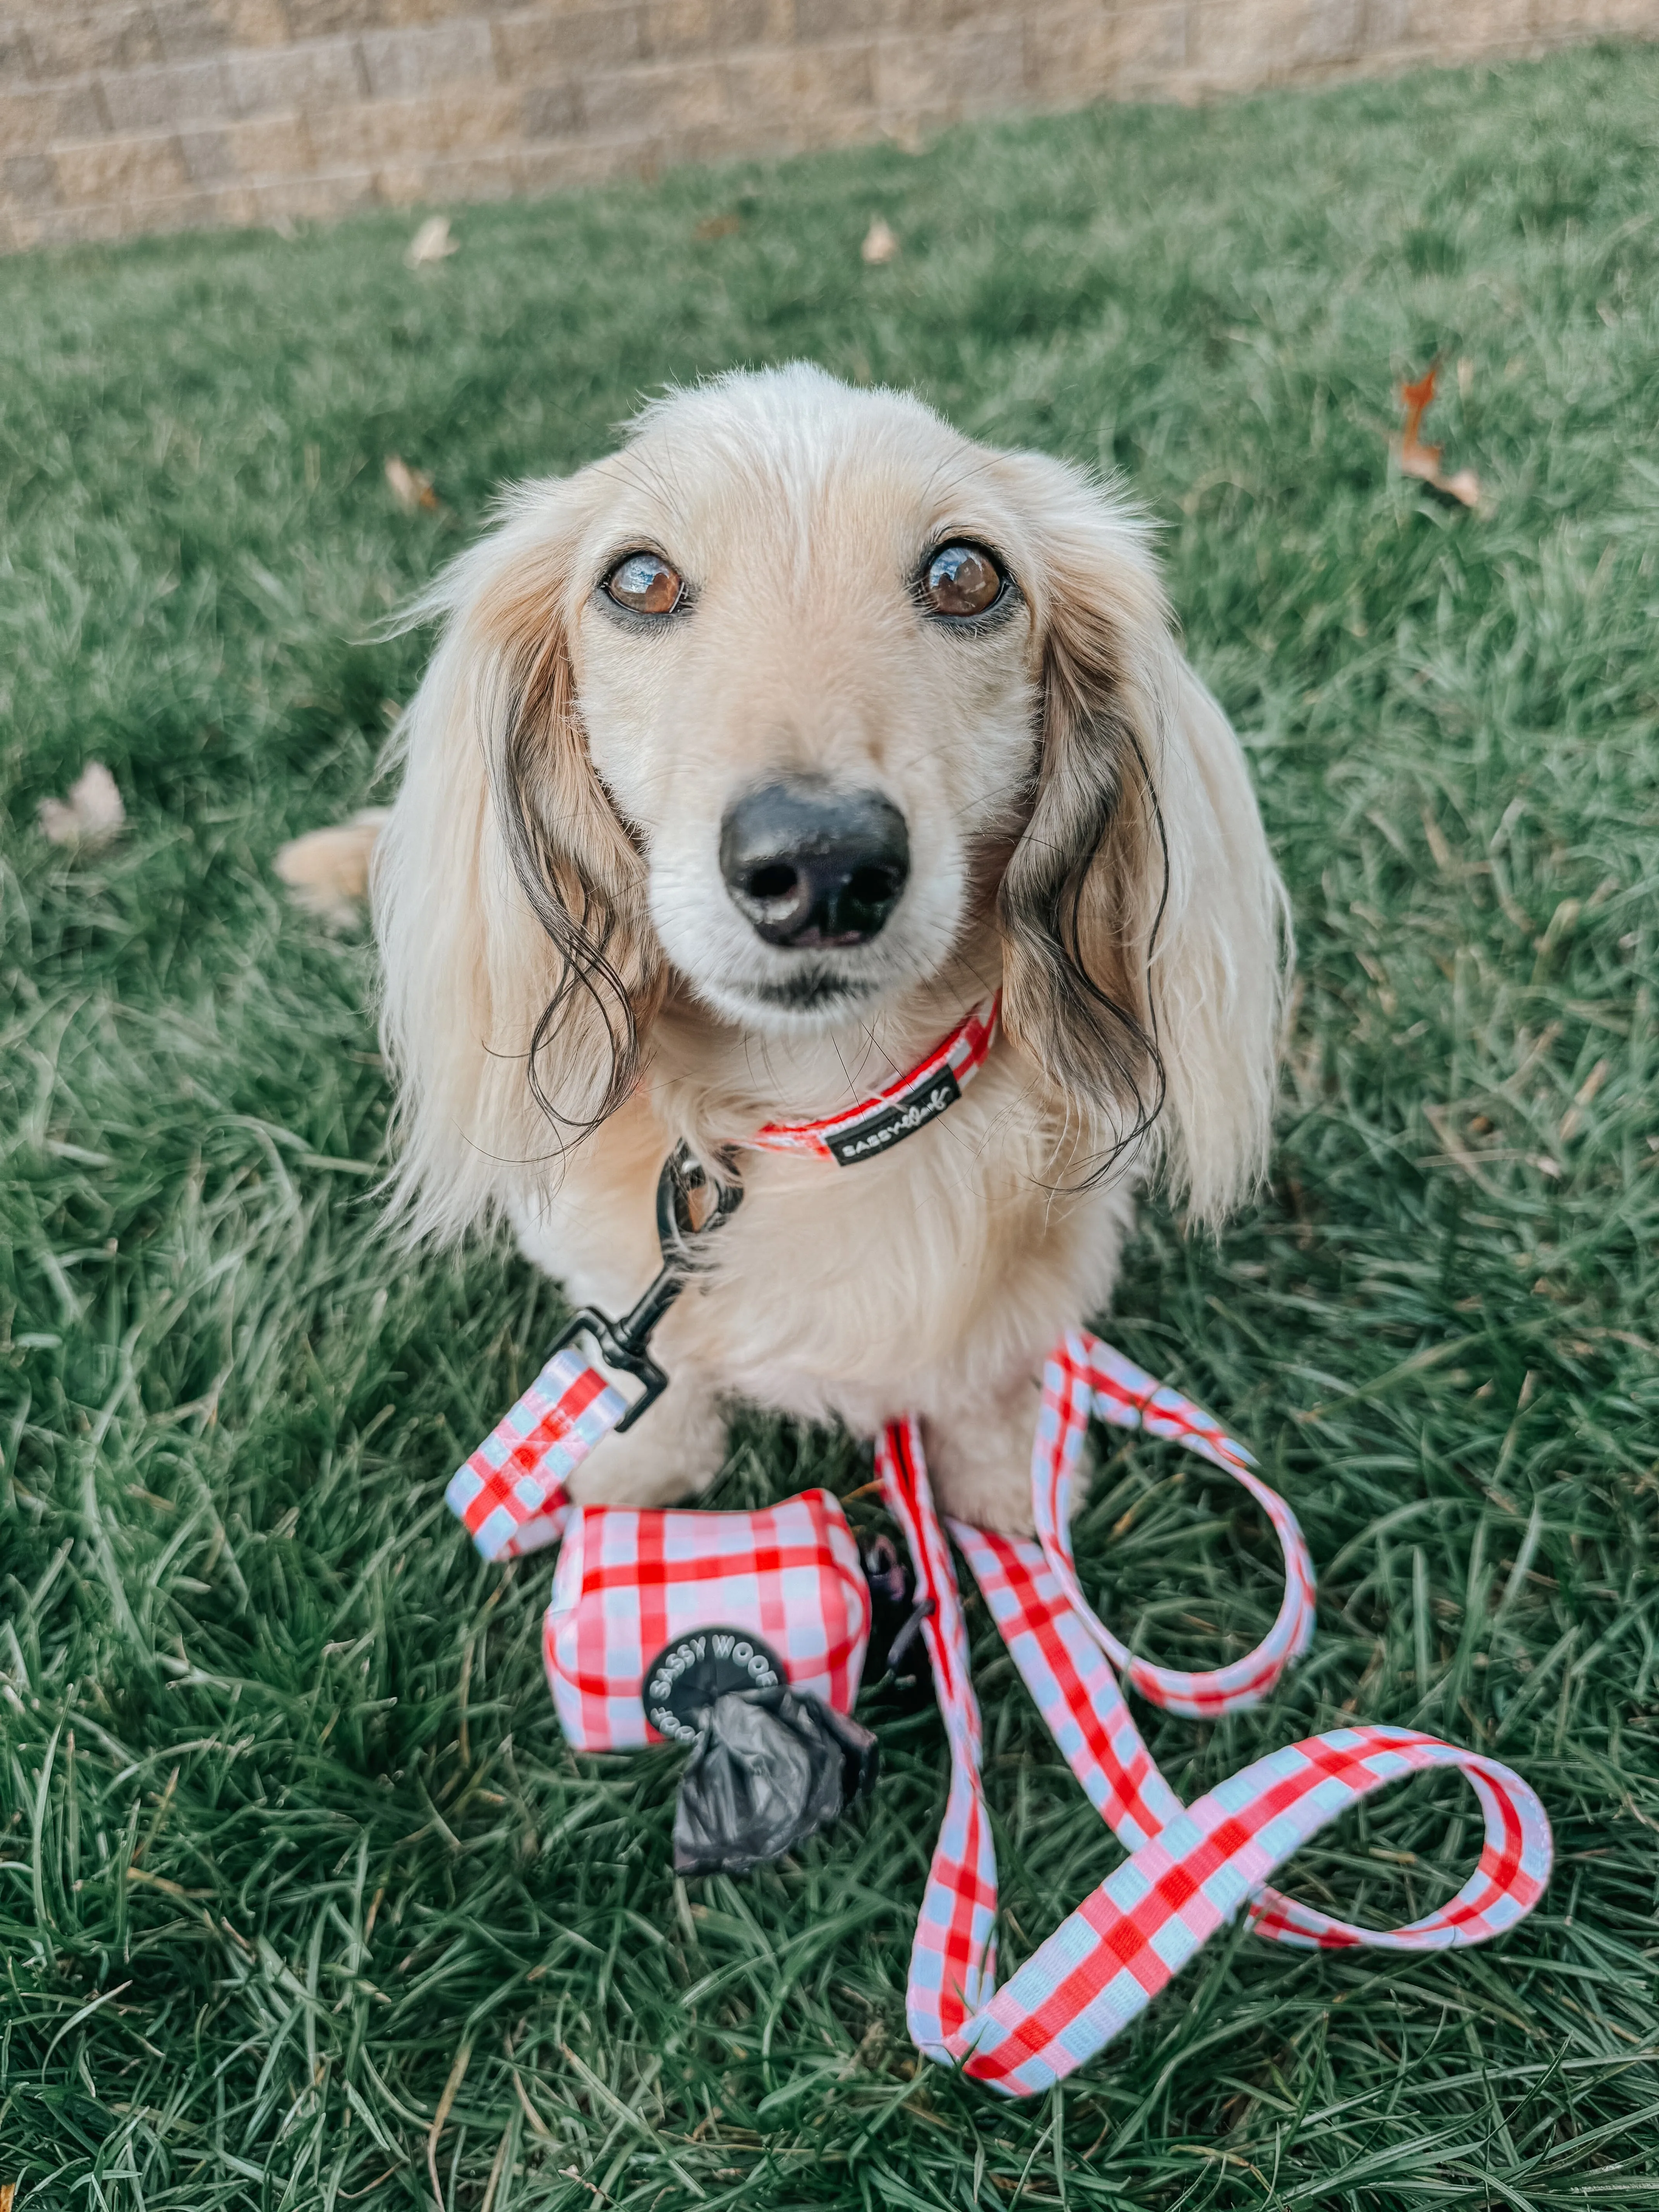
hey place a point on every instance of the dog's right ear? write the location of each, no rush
(1145, 932)
(519, 960)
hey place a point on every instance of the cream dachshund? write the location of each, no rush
(752, 759)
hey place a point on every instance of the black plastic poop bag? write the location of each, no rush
(767, 1768)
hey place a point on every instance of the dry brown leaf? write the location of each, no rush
(1422, 461)
(327, 871)
(431, 242)
(8, 2191)
(879, 244)
(1573, 1120)
(410, 488)
(89, 818)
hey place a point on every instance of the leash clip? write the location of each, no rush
(679, 1235)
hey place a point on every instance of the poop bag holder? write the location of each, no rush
(741, 1636)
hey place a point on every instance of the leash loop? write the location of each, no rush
(1086, 1376)
(1190, 1869)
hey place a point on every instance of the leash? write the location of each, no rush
(1190, 1868)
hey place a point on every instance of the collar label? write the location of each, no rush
(896, 1122)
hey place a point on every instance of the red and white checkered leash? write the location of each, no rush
(1190, 1868)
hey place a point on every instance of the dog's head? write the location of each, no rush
(797, 704)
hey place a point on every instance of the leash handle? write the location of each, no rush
(1190, 1869)
(1085, 1376)
(512, 1493)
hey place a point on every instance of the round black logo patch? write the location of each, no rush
(689, 1674)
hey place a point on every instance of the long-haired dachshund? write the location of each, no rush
(753, 758)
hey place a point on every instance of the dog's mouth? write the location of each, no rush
(816, 990)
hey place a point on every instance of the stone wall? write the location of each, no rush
(122, 116)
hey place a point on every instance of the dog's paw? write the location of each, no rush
(979, 1461)
(675, 1453)
(326, 871)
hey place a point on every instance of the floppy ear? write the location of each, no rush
(519, 965)
(1146, 930)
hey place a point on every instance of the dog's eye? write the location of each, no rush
(962, 580)
(646, 583)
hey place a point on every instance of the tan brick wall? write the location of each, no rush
(122, 115)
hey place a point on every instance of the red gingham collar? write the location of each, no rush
(902, 1107)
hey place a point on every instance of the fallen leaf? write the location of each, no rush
(327, 870)
(431, 242)
(879, 244)
(1417, 459)
(1573, 1120)
(410, 488)
(91, 816)
(718, 225)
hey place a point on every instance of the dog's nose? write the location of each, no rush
(808, 866)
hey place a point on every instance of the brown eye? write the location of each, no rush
(645, 584)
(962, 580)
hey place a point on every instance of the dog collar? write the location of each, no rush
(905, 1105)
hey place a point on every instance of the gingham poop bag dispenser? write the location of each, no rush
(740, 1636)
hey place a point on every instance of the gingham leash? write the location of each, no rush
(512, 1493)
(1190, 1869)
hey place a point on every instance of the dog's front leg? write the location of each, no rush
(979, 1456)
(675, 1450)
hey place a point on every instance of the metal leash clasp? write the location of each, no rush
(679, 1233)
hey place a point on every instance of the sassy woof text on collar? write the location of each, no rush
(910, 1102)
(627, 1577)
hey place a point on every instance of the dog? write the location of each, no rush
(751, 758)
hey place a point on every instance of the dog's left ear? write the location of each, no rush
(1146, 930)
(520, 969)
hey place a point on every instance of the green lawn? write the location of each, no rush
(292, 1859)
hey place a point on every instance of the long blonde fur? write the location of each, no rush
(468, 971)
(1083, 832)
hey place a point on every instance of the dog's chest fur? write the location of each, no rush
(924, 1279)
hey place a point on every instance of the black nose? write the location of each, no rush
(812, 866)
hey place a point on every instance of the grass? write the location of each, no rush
(302, 1901)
